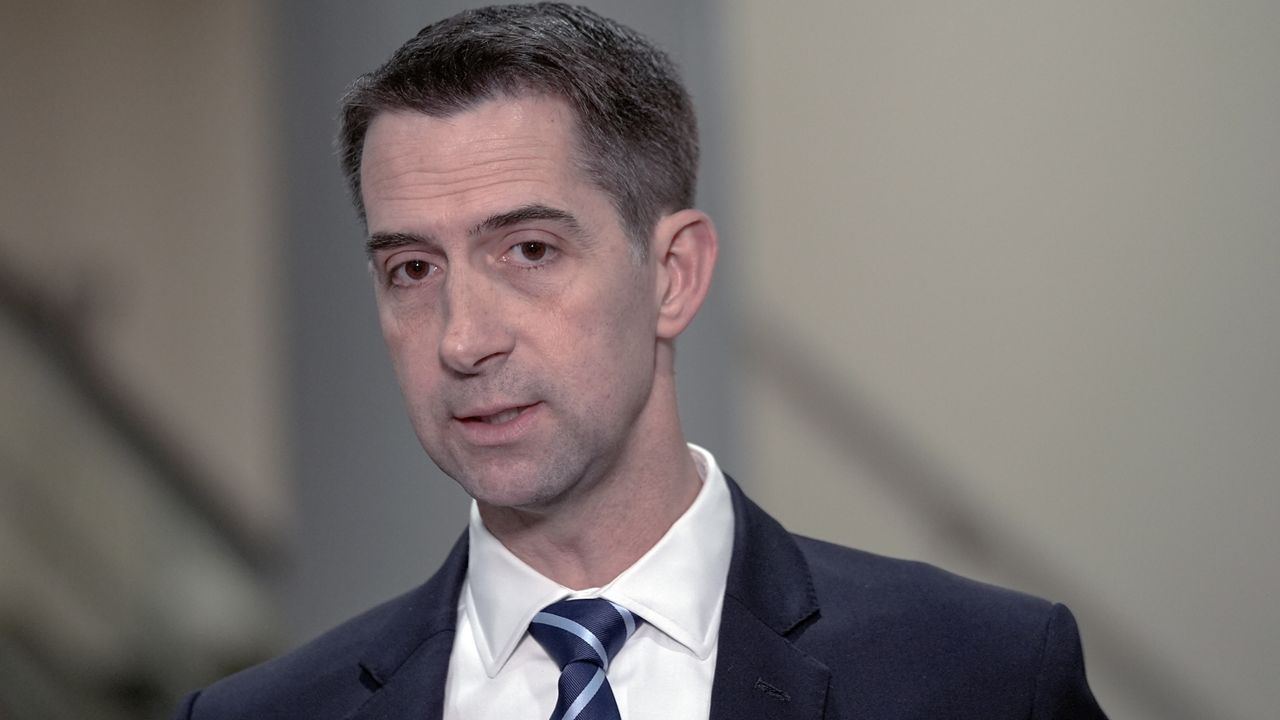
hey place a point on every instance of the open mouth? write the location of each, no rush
(497, 418)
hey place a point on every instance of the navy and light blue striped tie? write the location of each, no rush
(582, 636)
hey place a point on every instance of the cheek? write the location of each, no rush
(408, 340)
(632, 315)
(616, 331)
(394, 334)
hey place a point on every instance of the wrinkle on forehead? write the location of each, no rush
(410, 156)
(415, 185)
(411, 169)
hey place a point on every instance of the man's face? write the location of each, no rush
(521, 324)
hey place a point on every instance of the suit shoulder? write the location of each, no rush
(331, 675)
(843, 568)
(946, 645)
(877, 594)
(314, 680)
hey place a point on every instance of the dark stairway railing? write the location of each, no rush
(56, 329)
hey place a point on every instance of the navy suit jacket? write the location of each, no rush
(809, 630)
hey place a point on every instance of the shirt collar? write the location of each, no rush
(677, 586)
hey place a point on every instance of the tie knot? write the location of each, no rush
(590, 630)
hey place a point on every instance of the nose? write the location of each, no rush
(475, 336)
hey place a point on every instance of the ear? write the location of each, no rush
(684, 248)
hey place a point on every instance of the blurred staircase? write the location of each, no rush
(124, 583)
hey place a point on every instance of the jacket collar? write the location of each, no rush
(405, 662)
(768, 575)
(768, 603)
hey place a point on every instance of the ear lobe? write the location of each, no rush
(686, 246)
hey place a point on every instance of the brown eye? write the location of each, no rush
(533, 251)
(531, 254)
(410, 272)
(416, 269)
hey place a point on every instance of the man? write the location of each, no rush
(526, 176)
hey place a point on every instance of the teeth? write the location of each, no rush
(502, 417)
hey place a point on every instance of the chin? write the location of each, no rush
(531, 500)
(511, 485)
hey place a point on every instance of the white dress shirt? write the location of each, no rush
(496, 670)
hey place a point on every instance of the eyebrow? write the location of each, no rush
(379, 242)
(535, 211)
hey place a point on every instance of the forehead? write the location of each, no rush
(503, 151)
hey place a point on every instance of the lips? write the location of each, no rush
(498, 426)
(502, 417)
(498, 417)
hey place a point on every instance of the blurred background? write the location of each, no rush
(1000, 291)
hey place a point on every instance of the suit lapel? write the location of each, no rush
(416, 690)
(405, 664)
(760, 673)
(769, 600)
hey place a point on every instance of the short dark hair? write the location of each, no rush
(636, 130)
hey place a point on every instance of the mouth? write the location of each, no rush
(497, 426)
(500, 417)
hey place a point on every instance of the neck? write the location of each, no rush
(587, 540)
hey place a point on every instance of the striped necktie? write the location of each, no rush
(582, 636)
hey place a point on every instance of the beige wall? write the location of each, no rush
(1037, 245)
(137, 193)
(138, 172)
